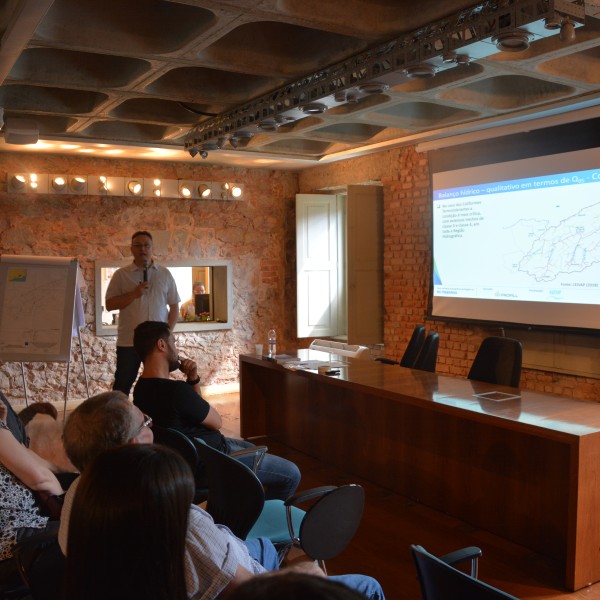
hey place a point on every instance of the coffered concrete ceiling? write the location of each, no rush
(166, 78)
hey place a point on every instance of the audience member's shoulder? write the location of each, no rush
(282, 585)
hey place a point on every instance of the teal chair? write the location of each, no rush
(236, 499)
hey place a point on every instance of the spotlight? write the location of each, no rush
(512, 41)
(375, 87)
(193, 152)
(77, 184)
(135, 187)
(204, 190)
(236, 191)
(157, 191)
(314, 108)
(102, 184)
(18, 182)
(185, 191)
(423, 71)
(59, 183)
(204, 154)
(268, 125)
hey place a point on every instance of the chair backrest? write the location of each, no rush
(185, 447)
(41, 565)
(441, 581)
(498, 360)
(427, 358)
(235, 495)
(179, 442)
(413, 347)
(330, 523)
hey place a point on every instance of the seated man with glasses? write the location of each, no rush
(215, 561)
(140, 291)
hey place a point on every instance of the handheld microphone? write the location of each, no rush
(145, 271)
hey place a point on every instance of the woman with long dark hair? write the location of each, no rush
(128, 526)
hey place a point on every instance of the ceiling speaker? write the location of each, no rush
(21, 131)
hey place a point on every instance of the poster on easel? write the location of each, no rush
(37, 301)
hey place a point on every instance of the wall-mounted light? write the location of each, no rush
(18, 183)
(105, 185)
(185, 190)
(28, 183)
(231, 191)
(135, 187)
(78, 184)
(204, 190)
(59, 183)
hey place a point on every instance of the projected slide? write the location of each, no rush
(533, 239)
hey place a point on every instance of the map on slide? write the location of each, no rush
(553, 250)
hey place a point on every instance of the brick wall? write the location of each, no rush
(407, 264)
(258, 235)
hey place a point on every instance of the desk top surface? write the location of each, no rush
(547, 411)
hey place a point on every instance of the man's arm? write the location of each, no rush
(240, 576)
(173, 315)
(213, 418)
(124, 300)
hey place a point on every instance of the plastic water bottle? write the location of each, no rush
(272, 342)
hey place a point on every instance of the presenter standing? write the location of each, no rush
(141, 291)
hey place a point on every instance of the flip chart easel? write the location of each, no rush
(40, 311)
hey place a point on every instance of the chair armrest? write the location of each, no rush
(472, 553)
(258, 452)
(387, 361)
(309, 494)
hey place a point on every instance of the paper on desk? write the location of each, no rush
(308, 365)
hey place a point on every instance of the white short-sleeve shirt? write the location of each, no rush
(152, 306)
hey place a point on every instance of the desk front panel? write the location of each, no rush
(515, 468)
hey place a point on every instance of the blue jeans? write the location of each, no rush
(279, 476)
(263, 551)
(128, 365)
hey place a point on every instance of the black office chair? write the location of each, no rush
(440, 580)
(499, 361)
(330, 523)
(41, 565)
(185, 447)
(414, 346)
(427, 358)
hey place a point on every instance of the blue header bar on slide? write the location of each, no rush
(520, 185)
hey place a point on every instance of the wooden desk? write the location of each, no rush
(525, 469)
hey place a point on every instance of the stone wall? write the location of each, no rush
(407, 265)
(256, 234)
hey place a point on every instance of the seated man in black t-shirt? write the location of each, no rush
(179, 405)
